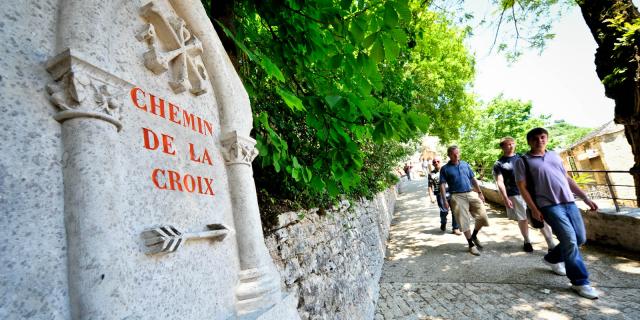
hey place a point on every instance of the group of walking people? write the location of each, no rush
(536, 182)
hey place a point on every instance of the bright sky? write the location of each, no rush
(561, 82)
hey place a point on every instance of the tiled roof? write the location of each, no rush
(609, 127)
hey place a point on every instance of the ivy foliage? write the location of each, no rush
(339, 87)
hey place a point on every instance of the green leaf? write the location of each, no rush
(332, 100)
(317, 183)
(377, 51)
(402, 7)
(399, 36)
(250, 54)
(370, 40)
(390, 15)
(332, 188)
(307, 175)
(337, 128)
(356, 32)
(291, 100)
(391, 49)
(271, 69)
(335, 61)
(317, 164)
(276, 166)
(296, 164)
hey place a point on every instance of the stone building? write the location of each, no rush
(429, 149)
(604, 149)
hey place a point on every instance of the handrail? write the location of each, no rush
(607, 190)
(610, 186)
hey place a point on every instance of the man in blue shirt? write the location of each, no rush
(434, 190)
(515, 205)
(465, 204)
(554, 202)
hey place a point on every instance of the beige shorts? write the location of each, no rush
(519, 210)
(467, 207)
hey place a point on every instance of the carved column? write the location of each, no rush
(259, 286)
(89, 100)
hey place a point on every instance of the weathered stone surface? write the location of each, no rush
(333, 262)
(88, 164)
(33, 253)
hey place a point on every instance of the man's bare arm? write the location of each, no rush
(476, 186)
(443, 195)
(503, 190)
(430, 191)
(577, 191)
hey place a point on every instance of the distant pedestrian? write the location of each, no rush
(425, 166)
(467, 206)
(434, 190)
(516, 206)
(407, 169)
(554, 202)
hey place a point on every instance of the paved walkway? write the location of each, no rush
(430, 275)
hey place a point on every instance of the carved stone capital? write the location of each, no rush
(81, 89)
(237, 149)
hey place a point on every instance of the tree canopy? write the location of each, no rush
(337, 87)
(480, 137)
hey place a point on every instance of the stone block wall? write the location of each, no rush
(333, 262)
(613, 228)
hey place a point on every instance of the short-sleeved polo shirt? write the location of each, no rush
(549, 178)
(457, 176)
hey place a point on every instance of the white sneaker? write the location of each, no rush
(557, 268)
(586, 291)
(474, 251)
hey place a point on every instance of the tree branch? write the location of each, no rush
(495, 38)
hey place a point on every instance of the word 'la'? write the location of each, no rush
(153, 142)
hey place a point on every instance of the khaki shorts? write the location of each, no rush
(519, 210)
(466, 207)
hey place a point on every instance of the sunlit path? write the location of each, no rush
(430, 275)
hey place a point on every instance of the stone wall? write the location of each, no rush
(333, 262)
(614, 228)
(605, 226)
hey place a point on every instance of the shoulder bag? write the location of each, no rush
(535, 223)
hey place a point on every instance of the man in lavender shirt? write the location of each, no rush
(554, 202)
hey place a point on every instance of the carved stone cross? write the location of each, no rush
(171, 45)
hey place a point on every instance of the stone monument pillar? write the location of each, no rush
(90, 103)
(259, 281)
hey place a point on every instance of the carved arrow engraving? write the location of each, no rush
(167, 239)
